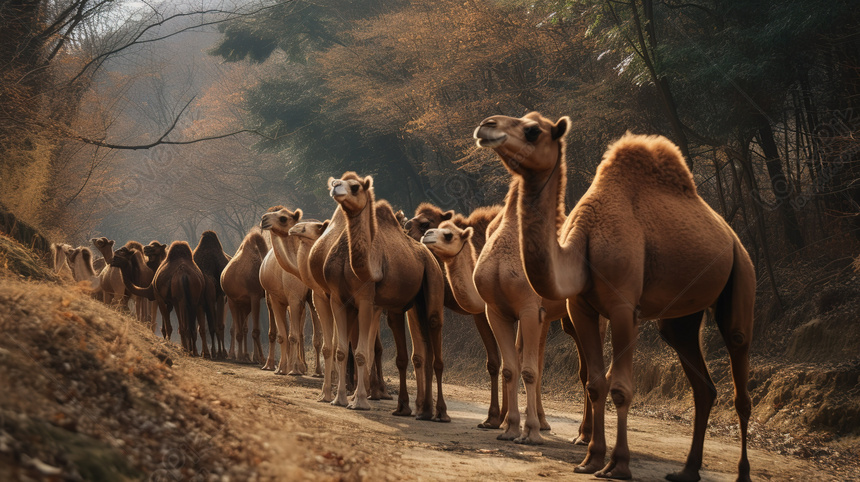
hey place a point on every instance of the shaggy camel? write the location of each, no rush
(240, 281)
(143, 275)
(384, 270)
(210, 257)
(286, 290)
(178, 283)
(81, 262)
(640, 245)
(110, 278)
(428, 216)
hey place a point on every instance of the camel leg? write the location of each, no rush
(625, 331)
(234, 314)
(682, 334)
(544, 330)
(368, 325)
(220, 323)
(531, 328)
(586, 323)
(435, 321)
(327, 326)
(201, 328)
(153, 314)
(166, 329)
(506, 336)
(396, 322)
(735, 319)
(494, 415)
(421, 365)
(256, 331)
(341, 350)
(380, 389)
(274, 336)
(317, 338)
(297, 365)
(585, 427)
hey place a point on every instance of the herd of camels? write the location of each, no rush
(639, 245)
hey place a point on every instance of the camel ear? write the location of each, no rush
(467, 233)
(368, 183)
(447, 215)
(325, 224)
(297, 215)
(111, 242)
(163, 246)
(560, 128)
(328, 183)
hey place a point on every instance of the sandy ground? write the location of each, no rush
(322, 439)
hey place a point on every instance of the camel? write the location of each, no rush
(110, 278)
(428, 216)
(374, 266)
(240, 281)
(287, 290)
(178, 283)
(142, 276)
(506, 297)
(639, 245)
(210, 257)
(81, 261)
(155, 253)
(61, 260)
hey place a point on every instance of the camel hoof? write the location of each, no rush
(509, 436)
(295, 373)
(424, 416)
(402, 412)
(613, 471)
(526, 440)
(545, 427)
(385, 396)
(580, 440)
(443, 418)
(268, 367)
(685, 476)
(359, 404)
(339, 402)
(586, 469)
(324, 399)
(318, 375)
(490, 424)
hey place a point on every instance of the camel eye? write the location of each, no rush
(354, 188)
(283, 219)
(449, 237)
(425, 226)
(532, 133)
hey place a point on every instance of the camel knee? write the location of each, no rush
(294, 340)
(743, 405)
(435, 321)
(737, 340)
(438, 365)
(493, 368)
(401, 362)
(596, 390)
(417, 362)
(360, 359)
(341, 355)
(326, 351)
(621, 395)
(529, 376)
(256, 333)
(507, 375)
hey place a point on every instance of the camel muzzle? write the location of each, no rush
(338, 191)
(489, 136)
(429, 237)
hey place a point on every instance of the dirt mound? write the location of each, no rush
(18, 260)
(88, 394)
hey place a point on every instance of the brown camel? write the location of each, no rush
(292, 242)
(110, 278)
(142, 276)
(640, 245)
(514, 299)
(286, 290)
(384, 270)
(178, 283)
(428, 216)
(155, 253)
(210, 257)
(240, 281)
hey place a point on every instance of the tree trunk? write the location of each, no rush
(782, 189)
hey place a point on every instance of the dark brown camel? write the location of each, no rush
(210, 257)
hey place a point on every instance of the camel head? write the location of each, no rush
(352, 192)
(122, 258)
(209, 240)
(103, 244)
(311, 230)
(155, 250)
(427, 216)
(447, 240)
(527, 144)
(279, 220)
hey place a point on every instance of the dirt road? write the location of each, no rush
(304, 438)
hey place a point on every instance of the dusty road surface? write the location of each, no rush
(304, 438)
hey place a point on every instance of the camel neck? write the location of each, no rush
(361, 231)
(285, 248)
(460, 270)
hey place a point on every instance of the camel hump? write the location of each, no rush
(385, 214)
(134, 245)
(179, 250)
(649, 158)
